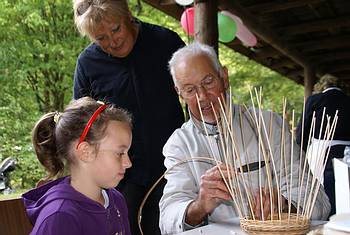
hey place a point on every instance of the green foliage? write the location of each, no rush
(40, 46)
(246, 74)
(17, 115)
(38, 50)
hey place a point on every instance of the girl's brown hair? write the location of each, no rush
(53, 135)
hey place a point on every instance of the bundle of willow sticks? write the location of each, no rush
(276, 175)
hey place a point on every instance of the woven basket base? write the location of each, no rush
(293, 225)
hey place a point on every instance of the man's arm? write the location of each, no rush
(182, 189)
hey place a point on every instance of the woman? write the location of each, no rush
(329, 93)
(126, 64)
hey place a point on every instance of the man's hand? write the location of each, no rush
(264, 200)
(266, 204)
(211, 192)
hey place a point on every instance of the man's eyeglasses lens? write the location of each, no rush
(190, 91)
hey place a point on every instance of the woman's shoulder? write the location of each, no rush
(92, 51)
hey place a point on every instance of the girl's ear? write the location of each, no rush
(85, 152)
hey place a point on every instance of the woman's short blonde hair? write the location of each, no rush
(326, 81)
(88, 14)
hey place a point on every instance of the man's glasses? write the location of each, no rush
(208, 83)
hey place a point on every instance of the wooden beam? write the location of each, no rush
(338, 67)
(316, 25)
(344, 75)
(236, 41)
(206, 22)
(283, 62)
(294, 72)
(295, 75)
(332, 56)
(166, 2)
(264, 33)
(173, 10)
(326, 43)
(270, 7)
(309, 81)
(266, 52)
(242, 50)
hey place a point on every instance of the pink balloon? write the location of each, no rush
(243, 33)
(187, 21)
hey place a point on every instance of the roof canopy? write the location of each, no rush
(296, 38)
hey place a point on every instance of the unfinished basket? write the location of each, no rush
(291, 224)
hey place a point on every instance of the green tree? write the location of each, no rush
(38, 50)
(40, 46)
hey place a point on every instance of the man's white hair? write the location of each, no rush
(195, 49)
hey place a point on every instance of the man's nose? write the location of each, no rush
(201, 92)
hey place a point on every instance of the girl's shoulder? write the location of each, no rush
(57, 222)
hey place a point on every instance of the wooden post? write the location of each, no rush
(206, 22)
(309, 81)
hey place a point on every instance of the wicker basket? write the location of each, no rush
(294, 225)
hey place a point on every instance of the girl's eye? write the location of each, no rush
(120, 154)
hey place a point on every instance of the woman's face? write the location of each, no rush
(116, 38)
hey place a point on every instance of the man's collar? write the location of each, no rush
(204, 127)
(211, 128)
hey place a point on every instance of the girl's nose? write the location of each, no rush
(126, 162)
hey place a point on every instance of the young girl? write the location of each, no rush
(92, 140)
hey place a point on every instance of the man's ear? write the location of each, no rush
(225, 77)
(130, 17)
(177, 90)
(85, 152)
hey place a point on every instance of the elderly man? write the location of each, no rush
(195, 193)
